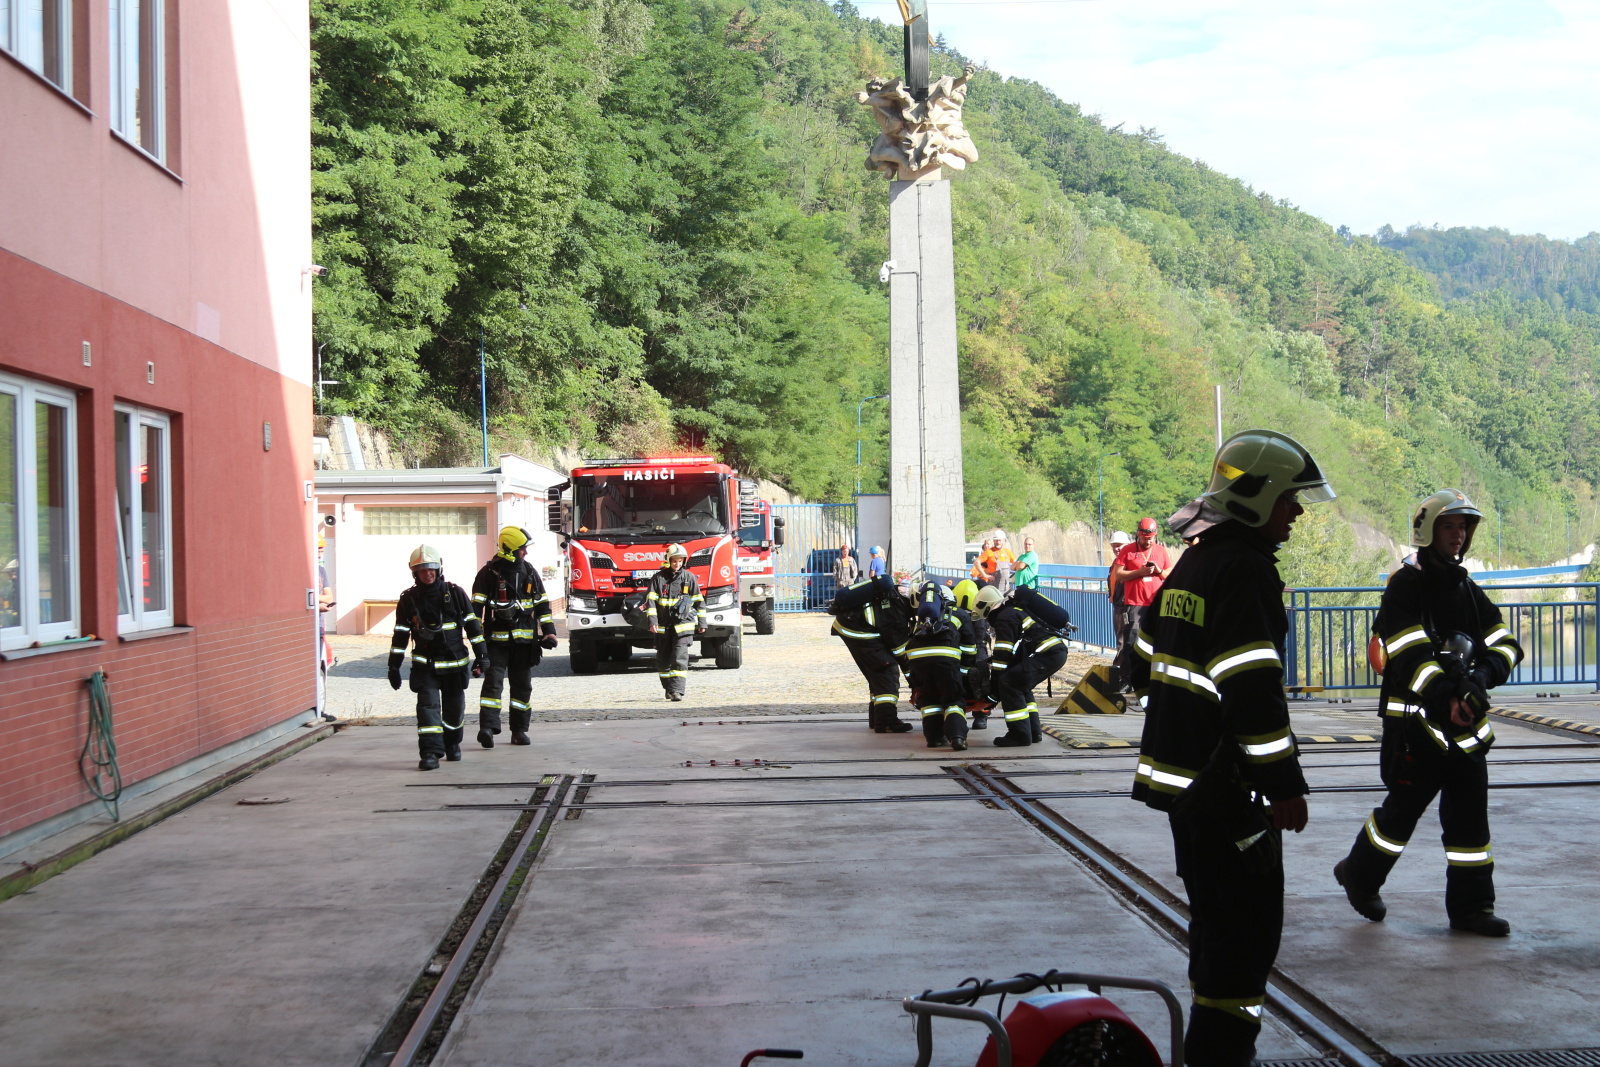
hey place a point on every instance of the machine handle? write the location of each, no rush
(772, 1054)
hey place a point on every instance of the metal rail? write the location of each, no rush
(496, 903)
(1321, 1022)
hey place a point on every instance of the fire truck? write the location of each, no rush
(757, 578)
(622, 515)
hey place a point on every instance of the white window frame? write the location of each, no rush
(137, 618)
(11, 24)
(125, 69)
(27, 393)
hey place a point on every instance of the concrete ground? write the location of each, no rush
(287, 933)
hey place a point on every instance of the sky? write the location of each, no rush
(1365, 112)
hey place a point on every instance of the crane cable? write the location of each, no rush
(97, 763)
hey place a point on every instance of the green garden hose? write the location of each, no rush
(97, 763)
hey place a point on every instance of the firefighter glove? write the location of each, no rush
(548, 641)
(477, 667)
(394, 677)
(1473, 694)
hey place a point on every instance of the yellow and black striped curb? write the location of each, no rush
(1587, 728)
(1074, 732)
(1332, 739)
(1093, 695)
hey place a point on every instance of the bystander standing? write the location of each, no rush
(1139, 571)
(1025, 575)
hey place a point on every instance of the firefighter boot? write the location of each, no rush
(485, 737)
(1485, 923)
(980, 720)
(428, 763)
(1367, 905)
(518, 737)
(1035, 730)
(452, 753)
(1017, 735)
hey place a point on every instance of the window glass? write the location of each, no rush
(35, 31)
(54, 537)
(153, 519)
(10, 502)
(425, 522)
(137, 73)
(125, 538)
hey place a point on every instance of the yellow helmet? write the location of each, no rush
(1253, 468)
(512, 539)
(966, 593)
(987, 600)
(674, 551)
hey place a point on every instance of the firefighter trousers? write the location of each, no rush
(1416, 770)
(513, 662)
(672, 661)
(441, 710)
(1015, 687)
(1235, 922)
(882, 673)
(937, 688)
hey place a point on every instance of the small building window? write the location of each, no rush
(424, 522)
(38, 514)
(144, 520)
(138, 73)
(39, 34)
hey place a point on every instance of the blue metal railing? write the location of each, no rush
(1327, 643)
(803, 567)
(1084, 598)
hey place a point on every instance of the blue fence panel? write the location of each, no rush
(1327, 643)
(803, 567)
(1083, 597)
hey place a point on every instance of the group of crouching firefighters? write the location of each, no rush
(964, 650)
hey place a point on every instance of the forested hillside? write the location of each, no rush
(1466, 260)
(654, 217)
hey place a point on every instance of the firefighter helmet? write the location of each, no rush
(1444, 502)
(1254, 468)
(988, 599)
(426, 557)
(673, 552)
(512, 539)
(966, 593)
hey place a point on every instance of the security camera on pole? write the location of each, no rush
(921, 134)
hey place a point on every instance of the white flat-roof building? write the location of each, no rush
(379, 516)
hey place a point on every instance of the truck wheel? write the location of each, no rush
(762, 613)
(730, 653)
(583, 655)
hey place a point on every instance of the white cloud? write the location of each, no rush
(1474, 113)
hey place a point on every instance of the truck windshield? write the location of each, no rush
(608, 504)
(755, 533)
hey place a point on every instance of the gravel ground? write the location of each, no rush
(800, 670)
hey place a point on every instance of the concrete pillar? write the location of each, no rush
(927, 514)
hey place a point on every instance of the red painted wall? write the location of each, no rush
(241, 547)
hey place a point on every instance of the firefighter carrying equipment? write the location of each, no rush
(1252, 469)
(1043, 610)
(511, 597)
(438, 622)
(674, 601)
(940, 653)
(857, 595)
(426, 556)
(512, 538)
(1444, 502)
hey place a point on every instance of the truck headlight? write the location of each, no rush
(720, 598)
(576, 602)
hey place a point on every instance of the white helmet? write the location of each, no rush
(1254, 468)
(426, 556)
(1444, 502)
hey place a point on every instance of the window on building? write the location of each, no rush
(425, 522)
(39, 34)
(138, 72)
(38, 514)
(144, 519)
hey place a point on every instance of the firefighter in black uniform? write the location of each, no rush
(675, 603)
(940, 653)
(1026, 652)
(875, 634)
(1217, 753)
(432, 616)
(977, 677)
(509, 594)
(1445, 647)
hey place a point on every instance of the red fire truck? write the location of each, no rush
(622, 516)
(758, 586)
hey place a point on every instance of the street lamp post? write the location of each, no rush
(1100, 477)
(880, 396)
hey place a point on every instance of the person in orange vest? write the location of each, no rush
(995, 560)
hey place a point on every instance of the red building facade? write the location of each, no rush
(155, 402)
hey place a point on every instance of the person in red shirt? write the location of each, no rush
(1139, 570)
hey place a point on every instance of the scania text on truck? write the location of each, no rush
(758, 544)
(622, 516)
